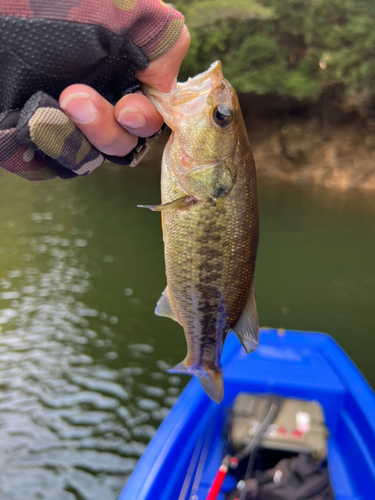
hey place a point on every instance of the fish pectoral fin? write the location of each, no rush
(180, 204)
(164, 306)
(212, 381)
(247, 326)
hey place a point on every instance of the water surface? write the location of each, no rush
(83, 359)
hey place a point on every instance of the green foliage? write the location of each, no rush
(209, 12)
(293, 47)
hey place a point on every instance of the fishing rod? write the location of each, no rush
(232, 462)
(199, 456)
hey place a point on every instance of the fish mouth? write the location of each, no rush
(200, 84)
(213, 71)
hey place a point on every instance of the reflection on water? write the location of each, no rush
(79, 398)
(316, 266)
(83, 360)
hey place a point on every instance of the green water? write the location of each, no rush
(83, 359)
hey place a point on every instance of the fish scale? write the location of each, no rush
(210, 225)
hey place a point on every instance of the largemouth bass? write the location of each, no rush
(210, 222)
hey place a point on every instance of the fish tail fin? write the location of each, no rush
(212, 381)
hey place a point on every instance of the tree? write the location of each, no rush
(292, 47)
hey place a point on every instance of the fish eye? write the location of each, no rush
(222, 115)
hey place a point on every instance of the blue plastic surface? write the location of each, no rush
(296, 364)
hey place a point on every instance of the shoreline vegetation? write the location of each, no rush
(305, 74)
(296, 48)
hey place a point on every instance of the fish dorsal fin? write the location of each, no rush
(247, 326)
(164, 306)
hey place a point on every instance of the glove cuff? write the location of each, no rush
(40, 142)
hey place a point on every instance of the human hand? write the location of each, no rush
(114, 130)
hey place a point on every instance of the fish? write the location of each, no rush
(210, 222)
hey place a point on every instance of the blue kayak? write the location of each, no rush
(294, 364)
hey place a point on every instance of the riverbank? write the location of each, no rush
(304, 152)
(329, 142)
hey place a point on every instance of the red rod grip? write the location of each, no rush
(218, 481)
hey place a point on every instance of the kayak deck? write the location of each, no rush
(188, 449)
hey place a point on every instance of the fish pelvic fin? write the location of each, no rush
(164, 306)
(247, 326)
(180, 204)
(212, 381)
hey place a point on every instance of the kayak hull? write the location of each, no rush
(293, 364)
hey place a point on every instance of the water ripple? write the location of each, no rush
(77, 404)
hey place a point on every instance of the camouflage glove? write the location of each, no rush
(48, 45)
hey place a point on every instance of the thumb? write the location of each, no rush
(161, 73)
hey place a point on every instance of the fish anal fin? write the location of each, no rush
(164, 306)
(180, 204)
(247, 326)
(212, 381)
